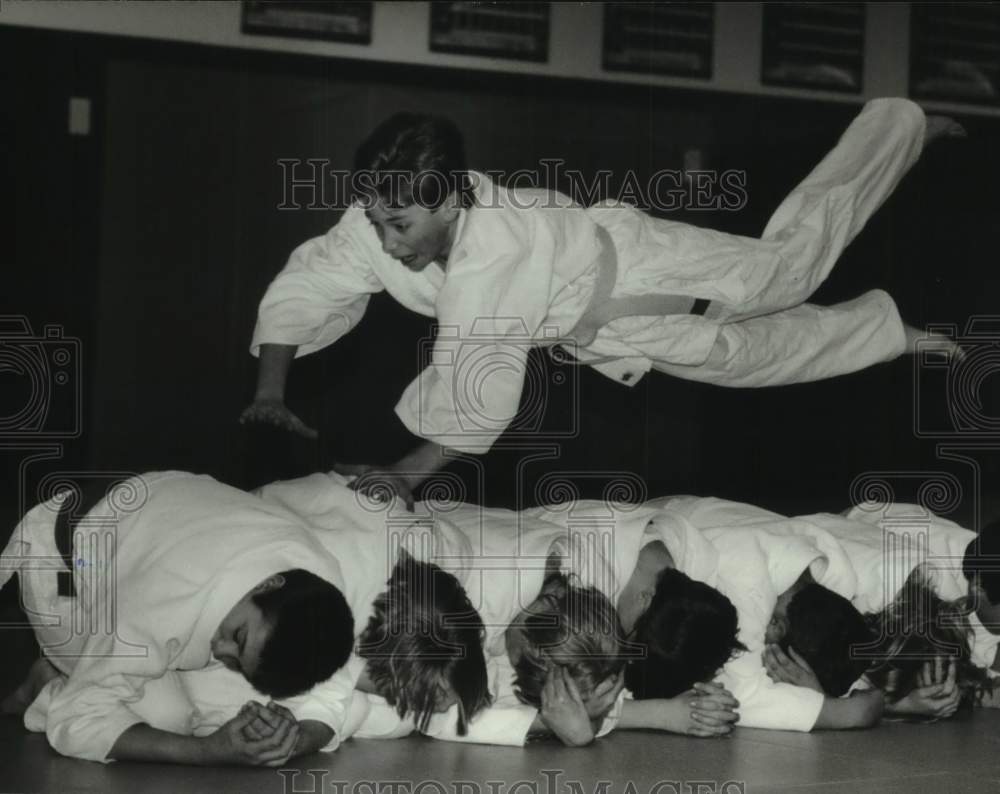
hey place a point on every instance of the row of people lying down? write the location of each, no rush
(185, 601)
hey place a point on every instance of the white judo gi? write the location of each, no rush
(526, 264)
(158, 566)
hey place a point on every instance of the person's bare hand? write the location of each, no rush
(231, 744)
(706, 710)
(382, 483)
(603, 698)
(936, 671)
(267, 719)
(713, 707)
(936, 695)
(563, 710)
(789, 668)
(276, 413)
(259, 727)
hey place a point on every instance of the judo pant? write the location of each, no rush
(775, 337)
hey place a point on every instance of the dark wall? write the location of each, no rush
(189, 233)
(50, 192)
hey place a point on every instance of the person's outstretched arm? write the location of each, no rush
(401, 478)
(320, 295)
(859, 710)
(268, 406)
(228, 745)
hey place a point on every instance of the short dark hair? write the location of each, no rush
(918, 626)
(982, 560)
(828, 632)
(412, 158)
(572, 627)
(424, 631)
(312, 634)
(688, 632)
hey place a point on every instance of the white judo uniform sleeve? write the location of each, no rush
(322, 292)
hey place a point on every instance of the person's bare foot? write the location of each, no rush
(933, 342)
(943, 127)
(41, 672)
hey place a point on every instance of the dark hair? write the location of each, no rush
(312, 634)
(567, 626)
(828, 632)
(919, 626)
(688, 633)
(982, 560)
(425, 631)
(410, 159)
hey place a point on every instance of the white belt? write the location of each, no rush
(603, 309)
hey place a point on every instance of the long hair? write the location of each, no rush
(424, 636)
(567, 626)
(919, 626)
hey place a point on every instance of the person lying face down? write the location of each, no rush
(273, 636)
(197, 569)
(687, 628)
(816, 638)
(923, 660)
(423, 646)
(567, 651)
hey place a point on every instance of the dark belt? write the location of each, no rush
(700, 306)
(87, 497)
